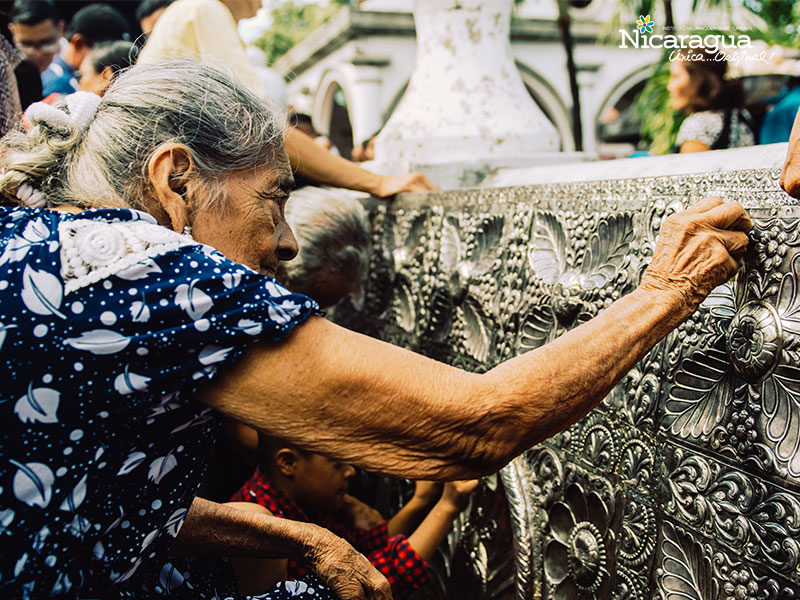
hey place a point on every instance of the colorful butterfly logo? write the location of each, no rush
(645, 24)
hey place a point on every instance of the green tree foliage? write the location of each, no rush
(660, 123)
(292, 22)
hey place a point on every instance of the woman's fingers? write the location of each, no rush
(346, 571)
(703, 205)
(735, 242)
(698, 249)
(729, 215)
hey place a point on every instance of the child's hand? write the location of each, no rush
(427, 492)
(456, 494)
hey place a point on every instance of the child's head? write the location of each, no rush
(312, 480)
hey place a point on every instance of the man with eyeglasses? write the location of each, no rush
(36, 30)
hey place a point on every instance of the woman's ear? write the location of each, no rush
(169, 170)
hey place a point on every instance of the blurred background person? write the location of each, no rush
(333, 242)
(149, 12)
(104, 62)
(90, 25)
(698, 86)
(778, 121)
(10, 108)
(36, 30)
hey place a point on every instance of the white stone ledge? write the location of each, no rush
(770, 156)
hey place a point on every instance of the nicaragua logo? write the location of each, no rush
(645, 24)
(642, 36)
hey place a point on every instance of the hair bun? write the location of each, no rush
(82, 109)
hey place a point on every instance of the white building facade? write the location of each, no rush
(362, 60)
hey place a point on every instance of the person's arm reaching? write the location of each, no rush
(369, 403)
(216, 530)
(413, 512)
(316, 163)
(434, 528)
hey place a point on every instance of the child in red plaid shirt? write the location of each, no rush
(295, 484)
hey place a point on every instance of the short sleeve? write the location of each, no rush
(369, 540)
(172, 320)
(703, 127)
(404, 569)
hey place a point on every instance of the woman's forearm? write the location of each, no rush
(366, 402)
(370, 403)
(214, 530)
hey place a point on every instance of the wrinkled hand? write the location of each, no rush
(457, 493)
(427, 491)
(698, 249)
(346, 571)
(360, 515)
(389, 185)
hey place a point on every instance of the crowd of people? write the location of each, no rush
(180, 418)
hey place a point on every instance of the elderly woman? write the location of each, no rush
(138, 242)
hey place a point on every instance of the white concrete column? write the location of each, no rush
(465, 102)
(365, 116)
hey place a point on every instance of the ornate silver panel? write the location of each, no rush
(685, 482)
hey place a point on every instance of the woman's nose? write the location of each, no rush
(348, 471)
(287, 243)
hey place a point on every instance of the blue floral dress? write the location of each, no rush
(109, 323)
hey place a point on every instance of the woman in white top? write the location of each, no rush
(717, 119)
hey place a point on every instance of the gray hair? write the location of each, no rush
(332, 234)
(225, 126)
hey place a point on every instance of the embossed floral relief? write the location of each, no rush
(580, 265)
(476, 560)
(578, 559)
(461, 305)
(740, 387)
(689, 569)
(757, 519)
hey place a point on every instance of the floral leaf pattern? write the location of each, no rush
(128, 383)
(38, 405)
(134, 460)
(99, 341)
(698, 399)
(193, 300)
(685, 571)
(76, 496)
(161, 466)
(42, 292)
(33, 483)
(139, 270)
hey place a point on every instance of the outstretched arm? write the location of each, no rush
(318, 164)
(434, 528)
(216, 530)
(366, 402)
(413, 512)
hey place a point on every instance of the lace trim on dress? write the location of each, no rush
(94, 250)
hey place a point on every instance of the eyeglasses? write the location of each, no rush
(45, 46)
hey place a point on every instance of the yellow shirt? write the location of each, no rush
(203, 30)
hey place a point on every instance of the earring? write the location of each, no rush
(187, 230)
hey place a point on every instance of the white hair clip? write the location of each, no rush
(82, 109)
(30, 196)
